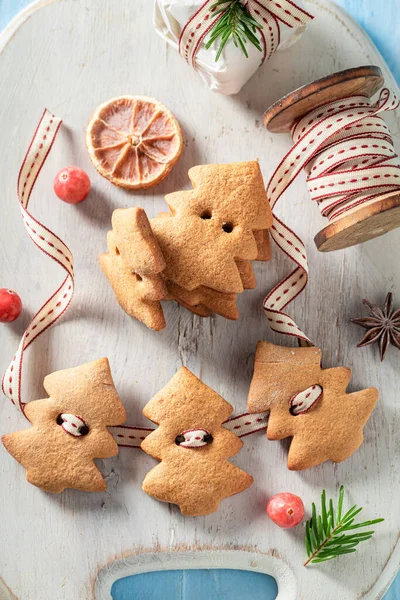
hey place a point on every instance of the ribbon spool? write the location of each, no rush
(380, 215)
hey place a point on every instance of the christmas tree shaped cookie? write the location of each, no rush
(199, 253)
(133, 265)
(245, 268)
(329, 424)
(212, 225)
(193, 447)
(69, 429)
(222, 304)
(263, 244)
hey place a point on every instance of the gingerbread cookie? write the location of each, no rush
(244, 266)
(246, 274)
(221, 304)
(136, 242)
(197, 309)
(309, 404)
(133, 265)
(212, 225)
(193, 447)
(200, 253)
(69, 429)
(263, 242)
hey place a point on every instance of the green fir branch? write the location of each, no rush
(327, 534)
(236, 23)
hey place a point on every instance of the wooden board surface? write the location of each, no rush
(71, 56)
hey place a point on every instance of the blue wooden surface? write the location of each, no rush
(196, 584)
(381, 20)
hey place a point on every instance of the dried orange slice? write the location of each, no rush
(134, 141)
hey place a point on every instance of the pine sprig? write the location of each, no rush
(327, 534)
(235, 23)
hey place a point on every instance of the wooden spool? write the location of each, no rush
(370, 221)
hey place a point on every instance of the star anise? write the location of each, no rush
(383, 326)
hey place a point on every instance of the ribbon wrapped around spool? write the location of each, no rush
(347, 152)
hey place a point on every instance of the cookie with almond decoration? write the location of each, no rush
(69, 429)
(308, 404)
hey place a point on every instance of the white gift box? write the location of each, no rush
(233, 69)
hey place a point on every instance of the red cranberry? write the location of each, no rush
(286, 510)
(10, 306)
(72, 185)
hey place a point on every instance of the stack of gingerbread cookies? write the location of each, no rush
(199, 253)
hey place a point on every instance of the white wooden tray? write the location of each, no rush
(71, 55)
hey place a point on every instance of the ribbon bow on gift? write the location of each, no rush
(267, 13)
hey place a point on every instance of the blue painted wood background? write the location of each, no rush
(381, 20)
(195, 585)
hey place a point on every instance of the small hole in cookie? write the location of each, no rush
(179, 439)
(117, 252)
(59, 420)
(206, 215)
(291, 410)
(138, 278)
(208, 438)
(84, 430)
(227, 227)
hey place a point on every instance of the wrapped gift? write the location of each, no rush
(189, 26)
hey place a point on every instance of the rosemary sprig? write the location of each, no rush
(235, 23)
(327, 534)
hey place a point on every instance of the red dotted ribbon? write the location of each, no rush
(348, 156)
(73, 424)
(241, 425)
(303, 401)
(48, 243)
(268, 13)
